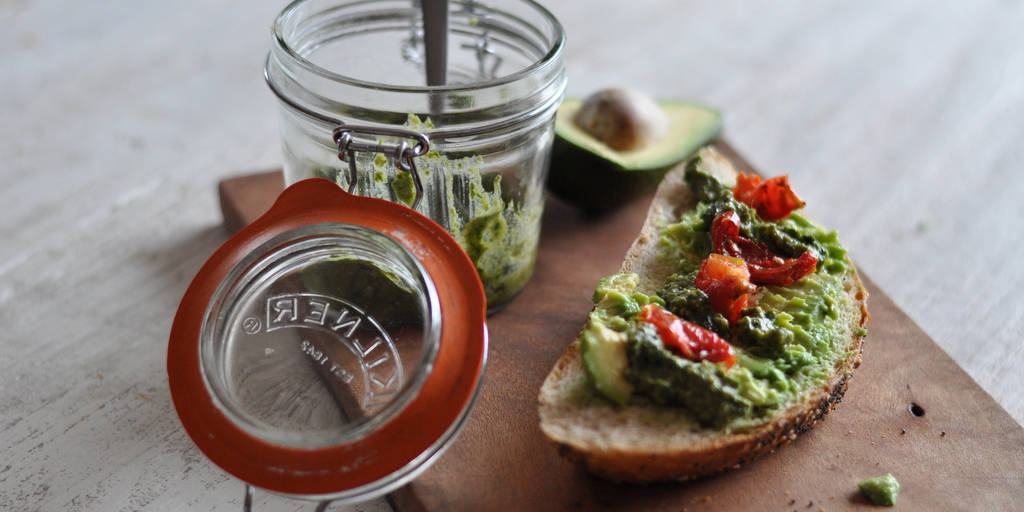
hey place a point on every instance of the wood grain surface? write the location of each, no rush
(910, 410)
(962, 453)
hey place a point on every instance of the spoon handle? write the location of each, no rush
(435, 40)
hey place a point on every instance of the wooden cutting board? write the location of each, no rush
(910, 410)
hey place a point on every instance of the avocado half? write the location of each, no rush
(598, 179)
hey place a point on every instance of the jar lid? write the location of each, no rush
(331, 349)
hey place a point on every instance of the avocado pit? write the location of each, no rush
(616, 146)
(624, 119)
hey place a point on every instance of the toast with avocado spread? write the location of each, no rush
(733, 325)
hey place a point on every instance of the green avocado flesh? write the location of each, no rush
(790, 341)
(603, 351)
(880, 490)
(590, 175)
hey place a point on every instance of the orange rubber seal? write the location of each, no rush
(447, 391)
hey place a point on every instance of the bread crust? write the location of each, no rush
(640, 443)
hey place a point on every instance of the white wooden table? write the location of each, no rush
(901, 123)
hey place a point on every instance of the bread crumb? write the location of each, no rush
(883, 436)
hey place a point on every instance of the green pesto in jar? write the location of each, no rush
(786, 343)
(499, 235)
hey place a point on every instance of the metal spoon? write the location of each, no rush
(435, 40)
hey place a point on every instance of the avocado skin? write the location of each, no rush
(595, 185)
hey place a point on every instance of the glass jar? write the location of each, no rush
(471, 155)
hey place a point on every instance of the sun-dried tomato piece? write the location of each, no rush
(726, 238)
(726, 281)
(773, 199)
(688, 339)
(786, 274)
(765, 265)
(746, 187)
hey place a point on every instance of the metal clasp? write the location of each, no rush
(401, 153)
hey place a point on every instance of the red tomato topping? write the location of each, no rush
(690, 340)
(765, 266)
(786, 274)
(746, 187)
(773, 199)
(726, 281)
(726, 238)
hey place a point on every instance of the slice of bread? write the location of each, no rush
(642, 442)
